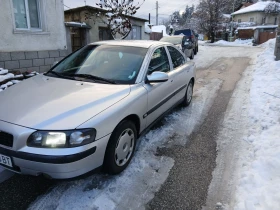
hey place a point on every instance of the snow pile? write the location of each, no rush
(147, 171)
(160, 29)
(8, 79)
(237, 42)
(259, 177)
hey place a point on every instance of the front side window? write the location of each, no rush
(176, 57)
(119, 64)
(26, 13)
(159, 61)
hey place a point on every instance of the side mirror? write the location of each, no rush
(157, 77)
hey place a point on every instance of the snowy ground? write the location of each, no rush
(247, 175)
(259, 176)
(237, 42)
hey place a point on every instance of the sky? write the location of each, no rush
(166, 7)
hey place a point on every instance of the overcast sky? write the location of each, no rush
(166, 7)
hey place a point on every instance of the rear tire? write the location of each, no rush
(188, 95)
(120, 148)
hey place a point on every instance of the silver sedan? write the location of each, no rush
(89, 110)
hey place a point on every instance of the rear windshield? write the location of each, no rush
(172, 39)
(186, 32)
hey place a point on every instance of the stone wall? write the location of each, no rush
(40, 61)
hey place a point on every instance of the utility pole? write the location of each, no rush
(156, 12)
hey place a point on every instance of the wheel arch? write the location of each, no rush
(135, 119)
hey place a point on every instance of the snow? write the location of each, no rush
(159, 29)
(7, 76)
(237, 42)
(258, 27)
(259, 6)
(259, 173)
(3, 71)
(76, 23)
(147, 171)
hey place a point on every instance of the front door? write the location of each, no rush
(159, 94)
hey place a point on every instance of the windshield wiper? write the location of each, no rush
(92, 77)
(58, 75)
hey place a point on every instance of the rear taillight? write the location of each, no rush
(192, 36)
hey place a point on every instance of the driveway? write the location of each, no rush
(174, 162)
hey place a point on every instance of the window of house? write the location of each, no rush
(159, 61)
(239, 20)
(27, 14)
(263, 20)
(251, 19)
(275, 21)
(176, 57)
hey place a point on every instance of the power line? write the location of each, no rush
(67, 6)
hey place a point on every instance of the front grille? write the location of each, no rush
(6, 139)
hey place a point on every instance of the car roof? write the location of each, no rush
(132, 43)
(175, 36)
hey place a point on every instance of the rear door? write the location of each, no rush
(181, 73)
(160, 97)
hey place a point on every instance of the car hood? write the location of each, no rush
(49, 103)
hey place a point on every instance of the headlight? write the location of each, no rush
(61, 139)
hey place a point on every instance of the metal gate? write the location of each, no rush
(265, 36)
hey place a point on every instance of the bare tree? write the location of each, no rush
(209, 15)
(117, 15)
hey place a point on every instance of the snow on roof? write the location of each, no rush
(147, 27)
(226, 15)
(159, 29)
(259, 6)
(77, 24)
(257, 27)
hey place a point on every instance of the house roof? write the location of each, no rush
(258, 27)
(257, 7)
(98, 9)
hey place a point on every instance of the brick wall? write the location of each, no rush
(39, 61)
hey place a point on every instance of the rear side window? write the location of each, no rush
(159, 61)
(176, 57)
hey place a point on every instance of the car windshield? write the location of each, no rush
(173, 40)
(102, 63)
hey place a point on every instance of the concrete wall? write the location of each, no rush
(258, 17)
(40, 61)
(52, 36)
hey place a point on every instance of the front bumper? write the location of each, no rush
(57, 163)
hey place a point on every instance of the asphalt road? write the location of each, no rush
(188, 181)
(187, 184)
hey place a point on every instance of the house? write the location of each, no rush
(32, 35)
(257, 14)
(258, 21)
(95, 28)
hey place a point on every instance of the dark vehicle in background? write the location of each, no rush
(183, 43)
(190, 35)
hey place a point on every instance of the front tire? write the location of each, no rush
(188, 96)
(120, 148)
